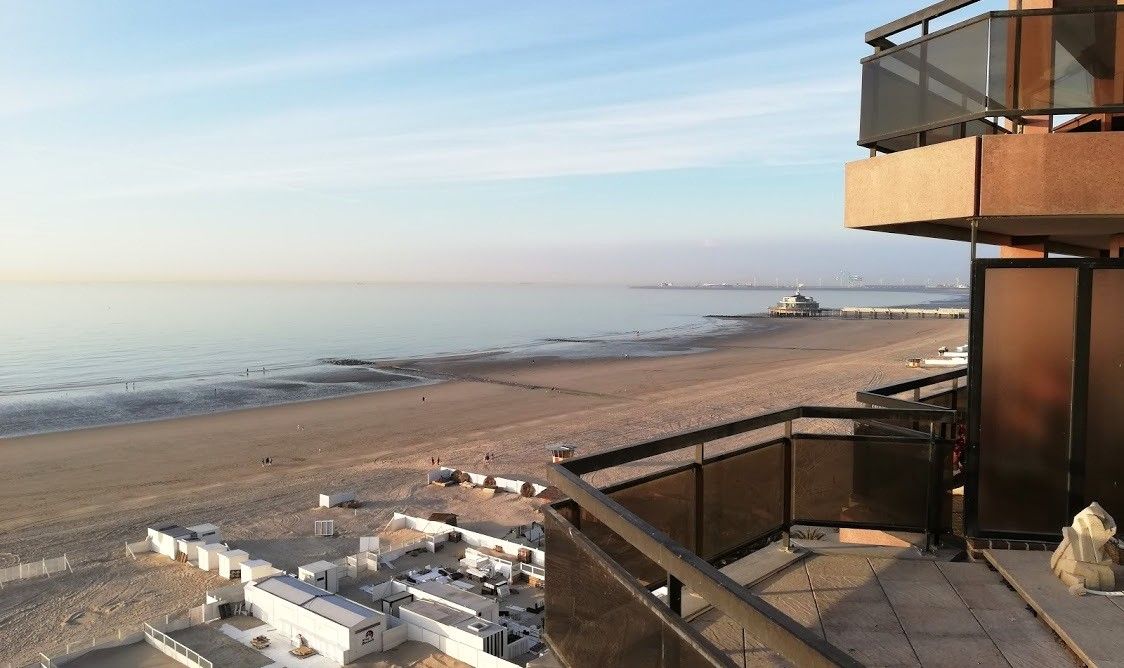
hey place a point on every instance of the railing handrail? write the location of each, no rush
(776, 630)
(787, 637)
(880, 35)
(165, 639)
(987, 16)
(714, 432)
(917, 383)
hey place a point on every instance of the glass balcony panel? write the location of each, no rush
(1052, 62)
(1026, 389)
(1104, 458)
(667, 503)
(743, 499)
(587, 602)
(941, 78)
(861, 479)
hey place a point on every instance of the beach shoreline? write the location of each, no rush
(324, 379)
(85, 492)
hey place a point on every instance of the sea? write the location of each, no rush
(84, 355)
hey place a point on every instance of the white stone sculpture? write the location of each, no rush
(1080, 561)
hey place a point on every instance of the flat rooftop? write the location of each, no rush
(456, 595)
(443, 614)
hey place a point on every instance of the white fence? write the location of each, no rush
(34, 569)
(533, 570)
(178, 651)
(137, 547)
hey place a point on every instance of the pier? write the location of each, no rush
(859, 313)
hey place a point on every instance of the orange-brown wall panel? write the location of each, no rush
(1063, 174)
(931, 183)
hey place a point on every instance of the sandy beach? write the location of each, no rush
(86, 492)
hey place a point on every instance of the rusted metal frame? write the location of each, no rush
(687, 633)
(767, 624)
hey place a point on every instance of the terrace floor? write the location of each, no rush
(899, 612)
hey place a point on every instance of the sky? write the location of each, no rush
(438, 141)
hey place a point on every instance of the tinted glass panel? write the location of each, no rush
(594, 619)
(1025, 389)
(1104, 472)
(861, 479)
(743, 499)
(1069, 60)
(941, 78)
(1059, 62)
(667, 504)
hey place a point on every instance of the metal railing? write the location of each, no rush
(960, 81)
(671, 526)
(175, 649)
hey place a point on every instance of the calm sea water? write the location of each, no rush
(68, 350)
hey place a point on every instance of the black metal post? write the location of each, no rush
(935, 493)
(789, 466)
(674, 594)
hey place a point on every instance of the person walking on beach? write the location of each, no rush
(432, 461)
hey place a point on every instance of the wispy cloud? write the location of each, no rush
(769, 124)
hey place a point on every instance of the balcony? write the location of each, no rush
(640, 556)
(1003, 122)
(991, 73)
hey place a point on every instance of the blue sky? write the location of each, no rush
(578, 141)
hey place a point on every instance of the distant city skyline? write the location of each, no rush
(590, 142)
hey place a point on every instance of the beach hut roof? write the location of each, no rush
(175, 531)
(332, 607)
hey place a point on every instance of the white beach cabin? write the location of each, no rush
(167, 539)
(208, 533)
(322, 574)
(339, 498)
(256, 569)
(455, 632)
(209, 556)
(230, 564)
(334, 626)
